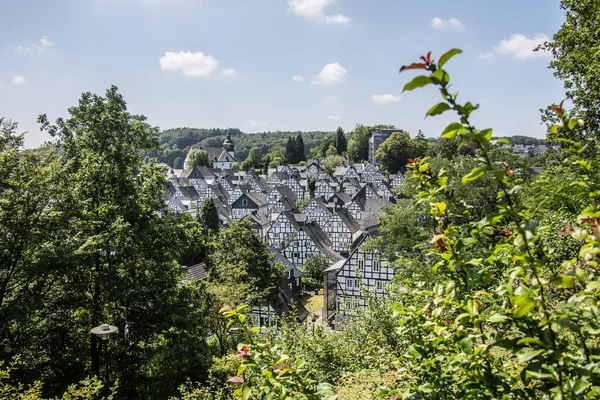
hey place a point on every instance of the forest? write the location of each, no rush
(497, 287)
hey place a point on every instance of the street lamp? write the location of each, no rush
(102, 332)
(314, 320)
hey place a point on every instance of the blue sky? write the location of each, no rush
(231, 63)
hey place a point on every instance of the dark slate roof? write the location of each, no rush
(213, 152)
(190, 192)
(220, 192)
(206, 172)
(259, 219)
(343, 197)
(225, 156)
(196, 272)
(258, 199)
(348, 220)
(192, 173)
(320, 239)
(292, 218)
(285, 191)
(282, 176)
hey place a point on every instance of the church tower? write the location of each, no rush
(228, 144)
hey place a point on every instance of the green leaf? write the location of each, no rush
(466, 345)
(563, 282)
(498, 319)
(246, 392)
(527, 355)
(438, 109)
(472, 308)
(447, 56)
(417, 82)
(453, 129)
(325, 388)
(441, 76)
(475, 174)
(523, 305)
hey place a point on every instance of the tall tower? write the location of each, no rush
(228, 144)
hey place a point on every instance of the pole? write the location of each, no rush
(95, 354)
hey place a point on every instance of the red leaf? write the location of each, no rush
(226, 308)
(558, 109)
(280, 367)
(413, 66)
(242, 353)
(236, 379)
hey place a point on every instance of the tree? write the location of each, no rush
(312, 186)
(331, 163)
(178, 163)
(290, 151)
(571, 47)
(328, 142)
(197, 157)
(121, 248)
(299, 149)
(395, 151)
(358, 146)
(341, 143)
(331, 151)
(313, 271)
(254, 159)
(209, 216)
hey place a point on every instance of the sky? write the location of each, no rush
(268, 65)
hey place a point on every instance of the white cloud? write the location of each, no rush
(41, 45)
(257, 123)
(330, 99)
(298, 78)
(229, 72)
(385, 98)
(19, 80)
(485, 56)
(313, 9)
(334, 117)
(191, 64)
(331, 73)
(453, 23)
(336, 19)
(521, 47)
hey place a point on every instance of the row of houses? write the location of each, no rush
(335, 220)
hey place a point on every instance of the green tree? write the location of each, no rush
(121, 251)
(209, 216)
(395, 151)
(341, 143)
(197, 157)
(328, 142)
(313, 271)
(254, 159)
(290, 151)
(571, 47)
(358, 146)
(300, 156)
(331, 163)
(177, 164)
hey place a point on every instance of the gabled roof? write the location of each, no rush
(225, 156)
(348, 220)
(190, 192)
(219, 191)
(320, 239)
(192, 173)
(317, 202)
(290, 217)
(280, 175)
(342, 196)
(259, 219)
(285, 192)
(258, 200)
(213, 152)
(206, 172)
(195, 272)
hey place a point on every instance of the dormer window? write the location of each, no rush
(244, 202)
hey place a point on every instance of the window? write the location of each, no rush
(376, 265)
(348, 304)
(296, 255)
(357, 284)
(244, 202)
(361, 264)
(380, 286)
(349, 283)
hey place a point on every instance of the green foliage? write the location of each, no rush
(341, 143)
(177, 164)
(395, 151)
(358, 145)
(264, 370)
(570, 47)
(209, 216)
(196, 158)
(331, 163)
(313, 271)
